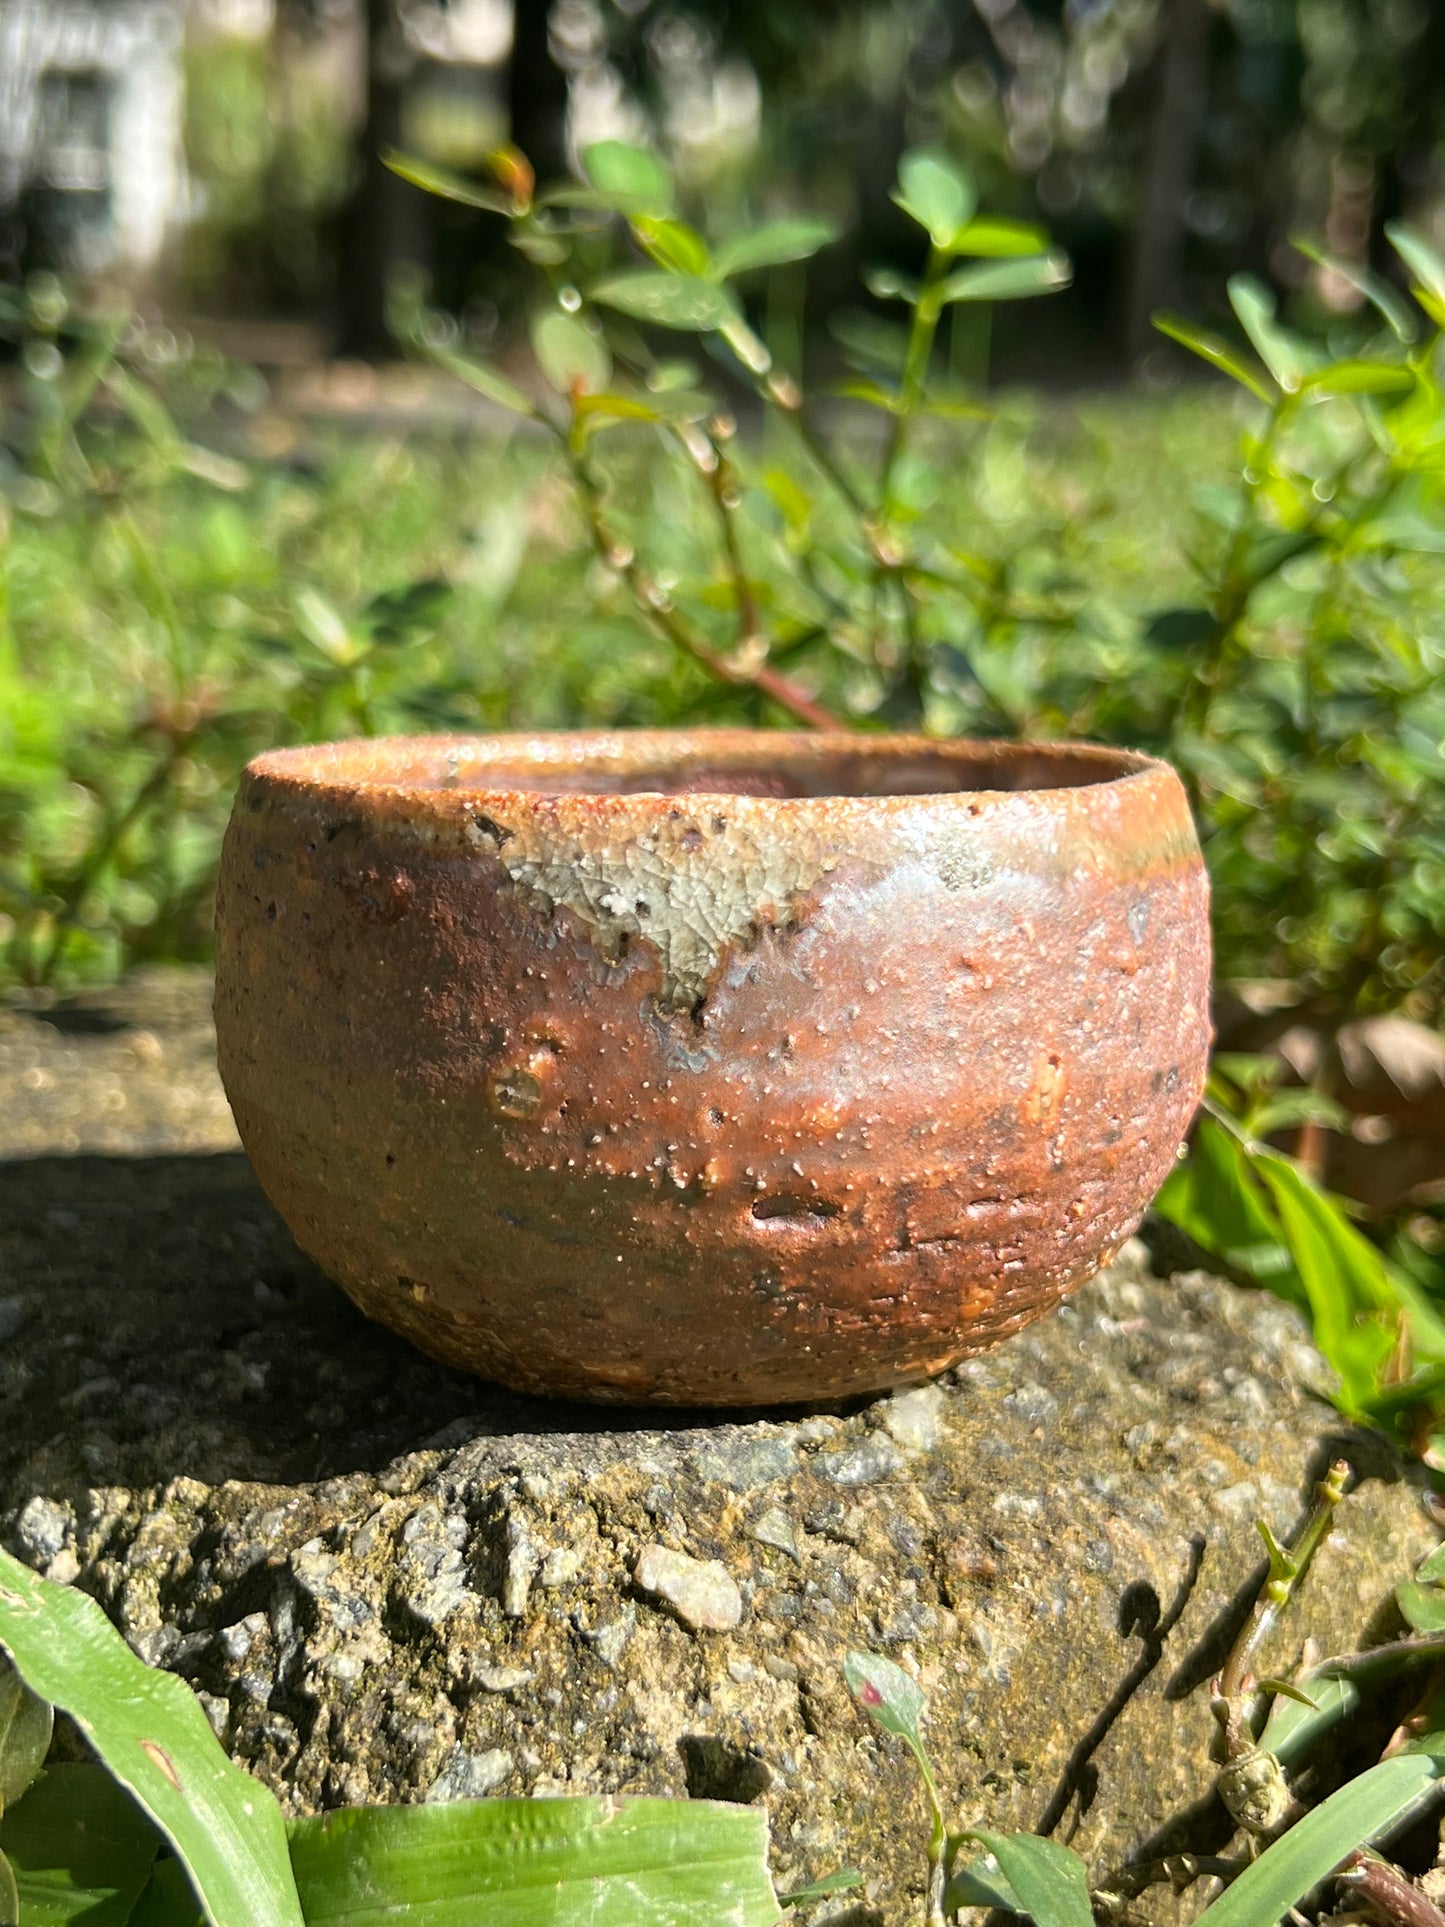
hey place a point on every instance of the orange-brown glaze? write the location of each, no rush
(724, 1068)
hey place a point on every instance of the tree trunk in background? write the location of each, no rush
(385, 228)
(1157, 260)
(536, 92)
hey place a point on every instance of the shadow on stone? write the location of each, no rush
(169, 1326)
(1141, 1616)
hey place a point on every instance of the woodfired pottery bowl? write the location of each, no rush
(724, 1067)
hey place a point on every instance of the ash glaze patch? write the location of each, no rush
(697, 886)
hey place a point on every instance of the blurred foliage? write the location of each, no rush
(268, 162)
(1167, 141)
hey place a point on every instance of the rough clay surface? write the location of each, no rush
(392, 1582)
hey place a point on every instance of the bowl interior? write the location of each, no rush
(716, 762)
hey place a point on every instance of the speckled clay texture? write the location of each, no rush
(714, 1068)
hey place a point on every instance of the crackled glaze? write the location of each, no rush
(725, 1067)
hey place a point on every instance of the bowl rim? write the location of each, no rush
(339, 769)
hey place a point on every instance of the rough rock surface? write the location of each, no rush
(390, 1581)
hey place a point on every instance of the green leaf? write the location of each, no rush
(1344, 1277)
(1216, 351)
(843, 1881)
(537, 1863)
(1431, 1570)
(450, 187)
(1288, 358)
(1011, 280)
(146, 410)
(936, 192)
(1291, 1729)
(150, 1730)
(1182, 629)
(1421, 1607)
(598, 409)
(1373, 286)
(542, 250)
(486, 381)
(1426, 266)
(980, 1884)
(9, 1894)
(858, 388)
(673, 245)
(396, 615)
(1364, 1810)
(989, 236)
(684, 301)
(1050, 1879)
(167, 1899)
(572, 358)
(1359, 378)
(773, 244)
(26, 1723)
(80, 1849)
(886, 1693)
(1215, 1199)
(629, 178)
(325, 628)
(886, 284)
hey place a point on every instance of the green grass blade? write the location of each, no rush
(1050, 1879)
(1364, 1810)
(80, 1849)
(537, 1863)
(150, 1730)
(844, 1880)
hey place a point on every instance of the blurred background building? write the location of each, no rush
(222, 155)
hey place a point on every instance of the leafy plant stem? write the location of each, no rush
(722, 486)
(1287, 1568)
(938, 1838)
(657, 609)
(922, 328)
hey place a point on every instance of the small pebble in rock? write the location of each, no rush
(217, 1711)
(775, 1529)
(560, 1567)
(41, 1529)
(703, 1593)
(521, 1564)
(236, 1641)
(912, 1419)
(64, 1568)
(469, 1776)
(501, 1679)
(609, 1642)
(863, 1463)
